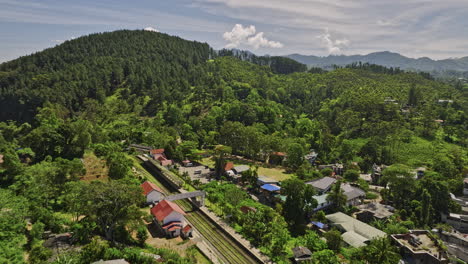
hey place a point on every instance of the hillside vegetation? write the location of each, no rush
(96, 94)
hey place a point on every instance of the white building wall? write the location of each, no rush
(174, 216)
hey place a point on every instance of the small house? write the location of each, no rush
(277, 158)
(169, 217)
(354, 232)
(354, 195)
(186, 231)
(374, 211)
(152, 192)
(301, 254)
(322, 185)
(240, 169)
(160, 156)
(322, 202)
(262, 180)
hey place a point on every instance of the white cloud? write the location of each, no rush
(240, 35)
(152, 29)
(333, 46)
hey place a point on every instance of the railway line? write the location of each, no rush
(228, 250)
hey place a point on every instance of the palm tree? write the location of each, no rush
(381, 251)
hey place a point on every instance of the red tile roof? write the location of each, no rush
(228, 166)
(281, 154)
(149, 186)
(165, 208)
(186, 228)
(157, 151)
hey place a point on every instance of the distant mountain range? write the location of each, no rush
(446, 67)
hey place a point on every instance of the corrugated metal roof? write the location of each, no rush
(271, 187)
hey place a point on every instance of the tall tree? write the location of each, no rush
(337, 197)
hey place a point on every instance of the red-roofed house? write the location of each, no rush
(187, 231)
(169, 216)
(228, 166)
(158, 154)
(152, 192)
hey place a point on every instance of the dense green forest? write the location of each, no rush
(101, 92)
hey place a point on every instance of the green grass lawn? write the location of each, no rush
(278, 174)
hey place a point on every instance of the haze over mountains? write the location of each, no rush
(451, 67)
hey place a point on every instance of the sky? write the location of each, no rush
(415, 28)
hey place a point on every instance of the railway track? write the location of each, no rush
(229, 251)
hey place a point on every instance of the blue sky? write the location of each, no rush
(414, 28)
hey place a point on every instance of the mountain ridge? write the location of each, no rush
(387, 59)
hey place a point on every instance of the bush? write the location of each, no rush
(142, 234)
(39, 254)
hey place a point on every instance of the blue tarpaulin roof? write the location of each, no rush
(270, 187)
(318, 224)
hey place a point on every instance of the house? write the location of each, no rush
(152, 192)
(377, 172)
(366, 177)
(158, 154)
(301, 254)
(169, 217)
(354, 195)
(457, 244)
(337, 168)
(240, 169)
(187, 231)
(355, 232)
(420, 247)
(374, 211)
(465, 186)
(322, 202)
(311, 157)
(322, 185)
(1, 159)
(270, 188)
(262, 180)
(187, 163)
(277, 158)
(458, 221)
(228, 166)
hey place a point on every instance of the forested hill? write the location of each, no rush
(153, 64)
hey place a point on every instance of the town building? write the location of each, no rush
(458, 221)
(160, 156)
(152, 192)
(354, 195)
(322, 202)
(277, 158)
(374, 211)
(337, 168)
(240, 169)
(140, 148)
(301, 254)
(322, 185)
(457, 244)
(262, 180)
(169, 217)
(354, 232)
(420, 247)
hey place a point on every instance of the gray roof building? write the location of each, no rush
(355, 232)
(323, 184)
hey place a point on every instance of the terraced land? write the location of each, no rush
(228, 251)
